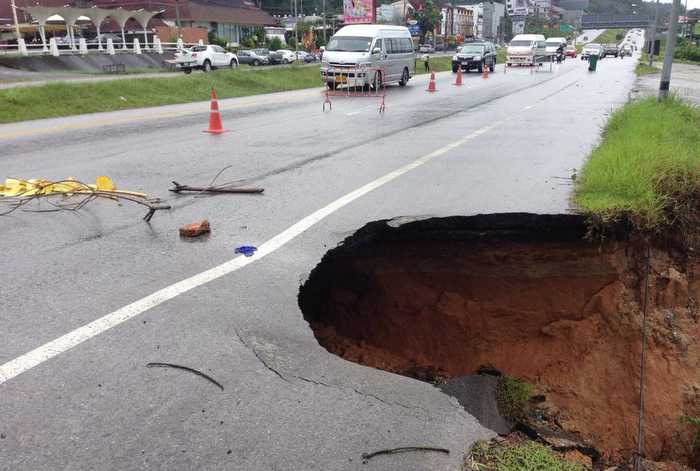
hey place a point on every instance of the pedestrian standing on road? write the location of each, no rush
(426, 62)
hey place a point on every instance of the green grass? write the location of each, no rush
(609, 36)
(644, 69)
(513, 396)
(525, 456)
(647, 167)
(66, 99)
(438, 64)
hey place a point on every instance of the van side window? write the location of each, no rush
(378, 44)
(391, 46)
(408, 45)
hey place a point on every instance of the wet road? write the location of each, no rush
(89, 298)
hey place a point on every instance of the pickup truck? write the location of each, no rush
(206, 57)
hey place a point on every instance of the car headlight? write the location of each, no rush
(477, 58)
(454, 58)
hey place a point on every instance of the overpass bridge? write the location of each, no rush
(614, 21)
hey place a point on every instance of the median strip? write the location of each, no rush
(67, 99)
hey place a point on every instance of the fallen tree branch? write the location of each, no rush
(75, 198)
(405, 449)
(185, 368)
(213, 189)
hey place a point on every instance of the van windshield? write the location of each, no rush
(521, 43)
(349, 44)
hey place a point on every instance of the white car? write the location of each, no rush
(287, 56)
(302, 55)
(206, 58)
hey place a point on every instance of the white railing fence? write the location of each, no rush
(91, 47)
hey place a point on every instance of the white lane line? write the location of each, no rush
(352, 113)
(64, 343)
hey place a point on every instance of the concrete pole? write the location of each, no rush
(670, 49)
(14, 18)
(652, 35)
(324, 22)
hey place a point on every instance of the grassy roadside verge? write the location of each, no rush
(609, 36)
(647, 167)
(66, 99)
(643, 68)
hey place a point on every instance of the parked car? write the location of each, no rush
(282, 56)
(311, 58)
(591, 49)
(253, 58)
(571, 52)
(206, 58)
(610, 50)
(428, 48)
(302, 55)
(475, 56)
(116, 39)
(360, 55)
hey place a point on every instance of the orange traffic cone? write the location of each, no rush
(215, 126)
(431, 84)
(486, 72)
(458, 80)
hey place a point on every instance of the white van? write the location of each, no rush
(359, 55)
(526, 49)
(554, 45)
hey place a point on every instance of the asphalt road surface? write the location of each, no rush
(89, 298)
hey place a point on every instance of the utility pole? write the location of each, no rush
(296, 29)
(652, 35)
(14, 17)
(177, 17)
(324, 22)
(670, 49)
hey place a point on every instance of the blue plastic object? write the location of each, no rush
(247, 250)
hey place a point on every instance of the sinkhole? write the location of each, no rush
(530, 296)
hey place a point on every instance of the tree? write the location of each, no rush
(428, 17)
(275, 43)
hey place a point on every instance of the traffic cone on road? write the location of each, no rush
(458, 80)
(486, 72)
(431, 84)
(215, 126)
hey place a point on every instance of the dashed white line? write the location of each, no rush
(64, 343)
(352, 113)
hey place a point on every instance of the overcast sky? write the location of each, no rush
(691, 3)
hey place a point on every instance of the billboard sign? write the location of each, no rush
(358, 11)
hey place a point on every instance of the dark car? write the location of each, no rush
(477, 55)
(611, 50)
(253, 57)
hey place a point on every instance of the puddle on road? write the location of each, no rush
(527, 295)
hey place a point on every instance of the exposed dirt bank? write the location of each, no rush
(527, 295)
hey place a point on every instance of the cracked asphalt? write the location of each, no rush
(499, 145)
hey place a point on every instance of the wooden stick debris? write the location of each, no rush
(185, 368)
(213, 189)
(391, 451)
